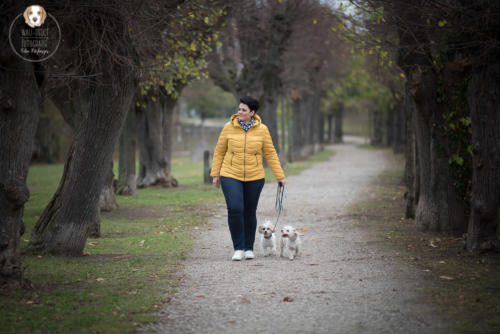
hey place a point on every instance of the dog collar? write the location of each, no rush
(269, 237)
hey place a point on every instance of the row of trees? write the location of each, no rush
(282, 52)
(448, 52)
(113, 58)
(117, 76)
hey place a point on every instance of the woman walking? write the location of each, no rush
(237, 167)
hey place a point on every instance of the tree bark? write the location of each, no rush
(389, 127)
(411, 163)
(270, 117)
(169, 105)
(152, 162)
(127, 179)
(484, 102)
(48, 135)
(303, 125)
(65, 223)
(399, 129)
(20, 101)
(439, 207)
(329, 135)
(107, 199)
(315, 121)
(321, 128)
(339, 111)
(154, 139)
(377, 128)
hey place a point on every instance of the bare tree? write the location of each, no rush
(314, 54)
(20, 100)
(103, 43)
(249, 60)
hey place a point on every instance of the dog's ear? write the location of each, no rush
(26, 15)
(260, 228)
(44, 15)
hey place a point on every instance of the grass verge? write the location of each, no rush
(463, 287)
(124, 276)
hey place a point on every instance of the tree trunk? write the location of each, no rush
(315, 115)
(339, 111)
(302, 145)
(48, 135)
(411, 175)
(484, 103)
(321, 128)
(152, 161)
(169, 105)
(329, 136)
(65, 223)
(107, 200)
(20, 102)
(389, 127)
(377, 128)
(268, 113)
(439, 207)
(127, 179)
(284, 117)
(399, 129)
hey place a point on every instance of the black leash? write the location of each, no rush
(278, 204)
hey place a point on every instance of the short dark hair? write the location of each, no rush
(252, 103)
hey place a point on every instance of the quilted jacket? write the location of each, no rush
(238, 154)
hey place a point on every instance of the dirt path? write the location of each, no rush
(340, 284)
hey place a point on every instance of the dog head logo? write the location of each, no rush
(35, 16)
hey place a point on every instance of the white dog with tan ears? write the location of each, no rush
(290, 241)
(267, 238)
(34, 16)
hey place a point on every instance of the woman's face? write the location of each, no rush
(244, 113)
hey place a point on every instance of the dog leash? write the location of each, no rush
(278, 204)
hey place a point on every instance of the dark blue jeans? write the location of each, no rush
(242, 199)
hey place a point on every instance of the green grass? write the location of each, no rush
(124, 275)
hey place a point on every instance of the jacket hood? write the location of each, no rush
(235, 122)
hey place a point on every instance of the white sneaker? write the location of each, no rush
(238, 255)
(249, 255)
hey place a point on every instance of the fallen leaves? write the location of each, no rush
(288, 299)
(433, 241)
(448, 278)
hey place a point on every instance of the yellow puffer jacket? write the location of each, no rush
(238, 153)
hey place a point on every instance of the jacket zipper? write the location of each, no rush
(244, 156)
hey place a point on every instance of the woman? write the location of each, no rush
(237, 167)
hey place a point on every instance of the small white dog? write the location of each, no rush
(267, 238)
(34, 16)
(290, 241)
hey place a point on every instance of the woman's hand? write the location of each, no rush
(216, 181)
(281, 181)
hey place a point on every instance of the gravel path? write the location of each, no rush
(340, 284)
